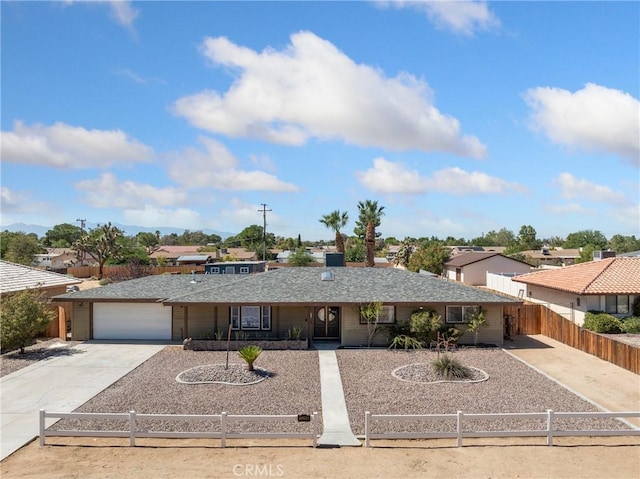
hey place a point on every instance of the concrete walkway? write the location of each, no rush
(62, 383)
(608, 386)
(335, 418)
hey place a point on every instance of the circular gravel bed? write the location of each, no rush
(233, 374)
(424, 373)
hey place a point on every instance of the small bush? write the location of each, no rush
(424, 325)
(599, 322)
(450, 368)
(402, 341)
(631, 325)
(250, 353)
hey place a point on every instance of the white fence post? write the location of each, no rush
(459, 427)
(132, 428)
(223, 429)
(549, 427)
(367, 425)
(314, 428)
(42, 427)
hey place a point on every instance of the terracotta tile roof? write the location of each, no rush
(607, 276)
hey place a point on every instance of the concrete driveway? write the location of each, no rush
(62, 384)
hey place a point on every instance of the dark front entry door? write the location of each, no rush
(326, 322)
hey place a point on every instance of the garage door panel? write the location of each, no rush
(131, 321)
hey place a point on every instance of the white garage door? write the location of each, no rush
(131, 321)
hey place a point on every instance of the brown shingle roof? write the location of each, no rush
(464, 259)
(608, 276)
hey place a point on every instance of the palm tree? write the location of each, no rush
(368, 220)
(336, 220)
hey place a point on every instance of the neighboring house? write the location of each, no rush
(547, 256)
(611, 285)
(324, 302)
(235, 267)
(472, 268)
(193, 259)
(56, 259)
(169, 254)
(16, 277)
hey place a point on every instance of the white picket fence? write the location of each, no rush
(461, 433)
(134, 432)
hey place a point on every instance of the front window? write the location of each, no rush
(461, 314)
(618, 304)
(251, 318)
(244, 270)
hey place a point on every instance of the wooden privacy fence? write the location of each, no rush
(549, 432)
(538, 319)
(92, 271)
(58, 327)
(223, 419)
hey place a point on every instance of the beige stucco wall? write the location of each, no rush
(178, 326)
(200, 321)
(81, 324)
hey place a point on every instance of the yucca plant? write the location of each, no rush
(250, 353)
(450, 368)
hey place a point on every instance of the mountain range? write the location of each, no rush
(129, 230)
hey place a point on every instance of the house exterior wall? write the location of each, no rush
(561, 302)
(285, 318)
(178, 323)
(81, 325)
(200, 321)
(475, 274)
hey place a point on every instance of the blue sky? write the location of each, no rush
(459, 118)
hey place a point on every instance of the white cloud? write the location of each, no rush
(463, 17)
(215, 167)
(19, 203)
(152, 217)
(595, 118)
(108, 192)
(572, 187)
(65, 146)
(313, 90)
(123, 13)
(237, 214)
(388, 177)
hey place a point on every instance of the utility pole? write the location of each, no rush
(264, 230)
(81, 253)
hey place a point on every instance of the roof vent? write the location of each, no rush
(327, 276)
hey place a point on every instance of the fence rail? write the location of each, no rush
(133, 432)
(538, 319)
(549, 432)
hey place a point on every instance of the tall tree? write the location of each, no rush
(101, 244)
(583, 238)
(62, 235)
(369, 216)
(149, 241)
(335, 221)
(527, 238)
(624, 244)
(430, 258)
(19, 248)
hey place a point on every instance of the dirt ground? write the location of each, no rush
(575, 458)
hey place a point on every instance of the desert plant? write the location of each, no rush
(250, 353)
(450, 368)
(371, 314)
(631, 325)
(402, 341)
(294, 333)
(478, 320)
(240, 335)
(600, 322)
(424, 325)
(218, 335)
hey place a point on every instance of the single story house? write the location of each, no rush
(235, 267)
(548, 256)
(610, 285)
(323, 302)
(471, 268)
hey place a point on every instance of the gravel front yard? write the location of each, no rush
(294, 388)
(512, 387)
(41, 350)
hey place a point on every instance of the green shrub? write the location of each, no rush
(450, 368)
(631, 325)
(250, 353)
(402, 341)
(424, 325)
(600, 322)
(23, 316)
